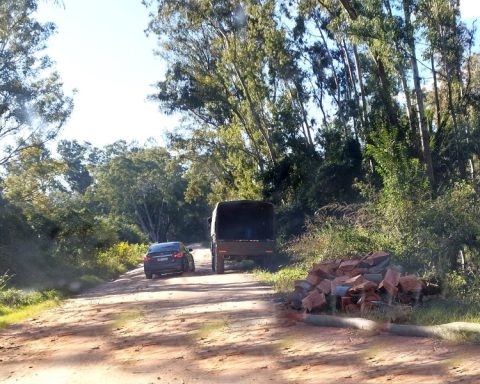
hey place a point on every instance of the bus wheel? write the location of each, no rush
(219, 263)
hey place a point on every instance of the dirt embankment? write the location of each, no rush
(206, 328)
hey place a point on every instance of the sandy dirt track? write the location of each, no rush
(207, 328)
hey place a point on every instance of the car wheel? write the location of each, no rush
(185, 266)
(148, 275)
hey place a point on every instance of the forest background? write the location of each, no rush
(359, 120)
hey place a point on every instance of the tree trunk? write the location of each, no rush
(305, 125)
(472, 169)
(422, 124)
(451, 74)
(385, 89)
(400, 68)
(348, 7)
(382, 75)
(359, 72)
(435, 92)
(338, 98)
(353, 86)
(408, 100)
(308, 128)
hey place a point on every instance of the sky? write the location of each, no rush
(101, 50)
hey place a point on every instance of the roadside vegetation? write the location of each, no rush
(358, 120)
(17, 304)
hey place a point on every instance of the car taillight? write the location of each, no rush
(222, 251)
(147, 258)
(178, 255)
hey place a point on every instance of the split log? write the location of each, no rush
(341, 322)
(447, 331)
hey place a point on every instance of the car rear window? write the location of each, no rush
(165, 247)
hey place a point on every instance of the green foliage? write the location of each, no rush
(231, 70)
(118, 259)
(294, 102)
(145, 187)
(11, 316)
(127, 232)
(284, 279)
(74, 155)
(51, 233)
(32, 102)
(335, 232)
(463, 285)
(434, 312)
(452, 223)
(424, 235)
(456, 284)
(304, 181)
(89, 281)
(402, 175)
(19, 298)
(31, 177)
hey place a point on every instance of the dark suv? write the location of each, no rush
(168, 258)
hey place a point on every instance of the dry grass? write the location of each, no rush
(20, 314)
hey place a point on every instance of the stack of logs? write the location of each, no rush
(356, 284)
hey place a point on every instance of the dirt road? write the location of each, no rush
(206, 328)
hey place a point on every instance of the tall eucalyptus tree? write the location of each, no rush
(33, 106)
(230, 68)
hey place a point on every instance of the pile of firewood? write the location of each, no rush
(356, 284)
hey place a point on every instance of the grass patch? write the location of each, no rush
(435, 312)
(455, 362)
(282, 280)
(4, 310)
(286, 343)
(442, 311)
(89, 281)
(13, 297)
(210, 327)
(373, 352)
(124, 318)
(14, 315)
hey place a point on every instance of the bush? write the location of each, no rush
(118, 259)
(463, 285)
(329, 241)
(13, 297)
(424, 234)
(336, 231)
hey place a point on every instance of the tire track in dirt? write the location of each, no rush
(207, 328)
